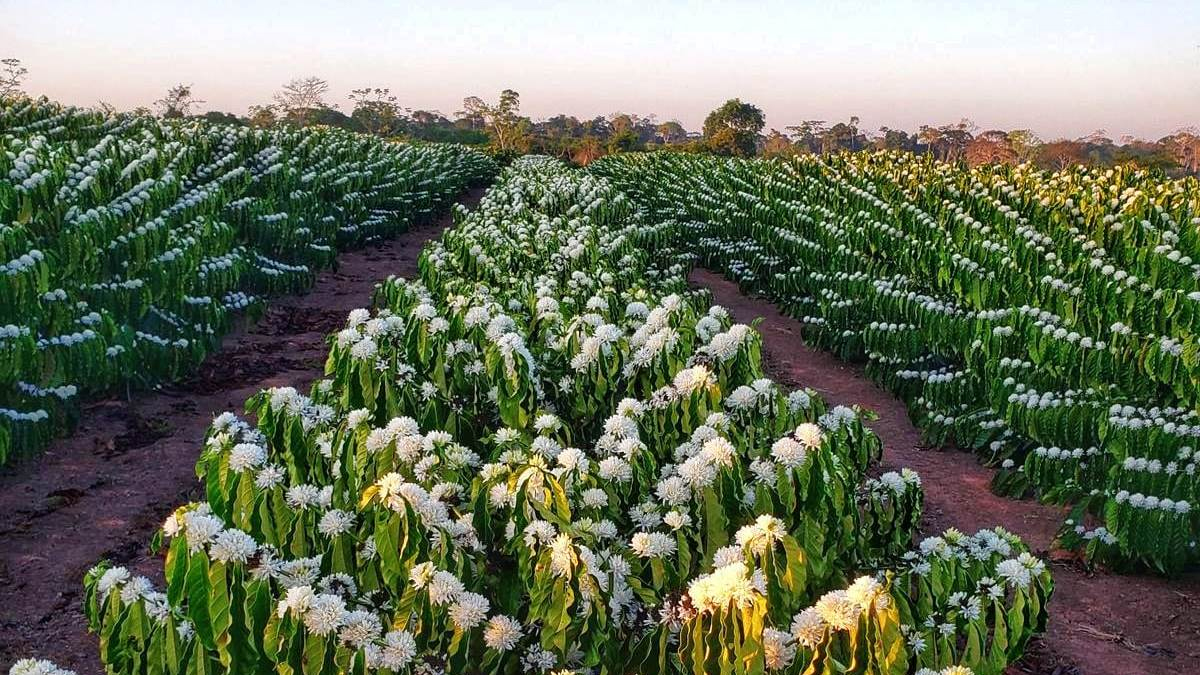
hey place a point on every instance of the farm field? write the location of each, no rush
(1099, 622)
(1047, 321)
(130, 243)
(560, 440)
(93, 496)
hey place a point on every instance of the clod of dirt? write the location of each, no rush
(139, 433)
(60, 498)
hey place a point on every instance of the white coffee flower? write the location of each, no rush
(502, 633)
(232, 546)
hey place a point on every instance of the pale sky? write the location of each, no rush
(1062, 68)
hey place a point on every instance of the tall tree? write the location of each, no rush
(428, 118)
(621, 122)
(1184, 146)
(178, 102)
(625, 140)
(470, 119)
(1061, 154)
(586, 151)
(377, 111)
(955, 138)
(990, 147)
(843, 136)
(503, 123)
(262, 116)
(557, 136)
(671, 132)
(931, 136)
(855, 140)
(218, 117)
(893, 139)
(599, 127)
(12, 74)
(778, 144)
(948, 141)
(561, 126)
(300, 99)
(807, 134)
(733, 128)
(1024, 143)
(1097, 137)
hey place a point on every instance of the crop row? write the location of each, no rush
(1048, 320)
(129, 244)
(547, 455)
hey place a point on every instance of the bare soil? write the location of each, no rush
(101, 492)
(1100, 623)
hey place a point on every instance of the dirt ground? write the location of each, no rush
(1100, 624)
(101, 492)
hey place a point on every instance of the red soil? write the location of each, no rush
(102, 492)
(1100, 624)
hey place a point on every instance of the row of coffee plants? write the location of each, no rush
(546, 455)
(128, 244)
(1048, 320)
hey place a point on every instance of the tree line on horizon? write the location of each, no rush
(735, 128)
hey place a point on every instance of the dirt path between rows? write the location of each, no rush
(1100, 624)
(102, 492)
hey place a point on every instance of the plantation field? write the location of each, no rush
(129, 244)
(1099, 622)
(92, 496)
(1048, 321)
(555, 445)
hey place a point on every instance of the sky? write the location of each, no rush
(1061, 68)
